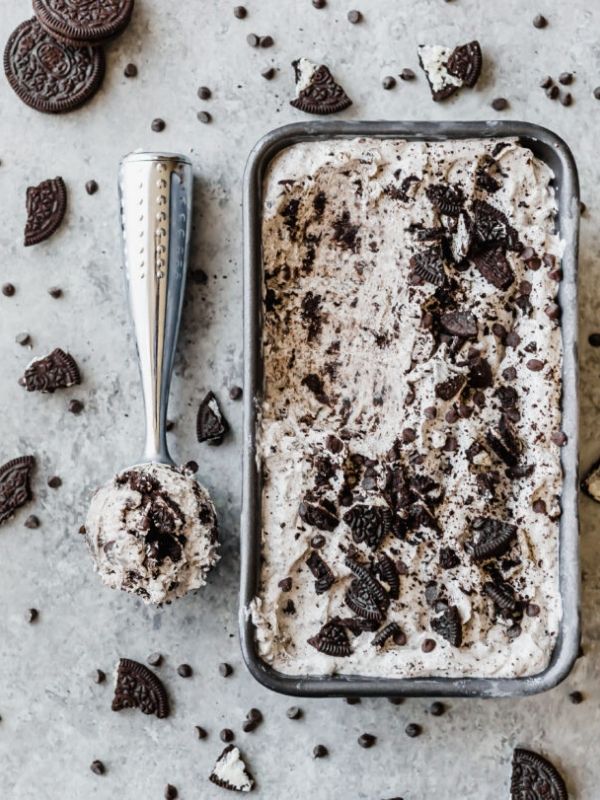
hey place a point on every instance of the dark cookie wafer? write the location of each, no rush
(535, 778)
(80, 22)
(332, 639)
(449, 626)
(369, 524)
(493, 538)
(211, 425)
(323, 95)
(49, 75)
(46, 207)
(465, 63)
(58, 370)
(139, 687)
(14, 485)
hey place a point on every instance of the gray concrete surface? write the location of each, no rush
(55, 720)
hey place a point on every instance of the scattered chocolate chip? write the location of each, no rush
(395, 701)
(436, 709)
(184, 670)
(388, 82)
(535, 365)
(225, 669)
(255, 714)
(407, 74)
(499, 104)
(199, 277)
(367, 740)
(200, 732)
(130, 71)
(8, 290)
(169, 425)
(204, 117)
(413, 730)
(249, 725)
(354, 17)
(138, 687)
(54, 482)
(155, 659)
(319, 3)
(32, 522)
(597, 92)
(171, 792)
(191, 467)
(540, 21)
(226, 735)
(158, 125)
(31, 615)
(546, 82)
(428, 645)
(293, 712)
(253, 40)
(559, 438)
(99, 676)
(269, 73)
(566, 99)
(552, 92)
(204, 93)
(240, 12)
(594, 339)
(91, 187)
(82, 530)
(75, 406)
(576, 698)
(565, 78)
(320, 751)
(352, 701)
(56, 292)
(97, 767)
(266, 41)
(23, 339)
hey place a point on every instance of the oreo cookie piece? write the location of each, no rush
(391, 631)
(15, 489)
(57, 370)
(369, 524)
(429, 265)
(318, 516)
(49, 75)
(449, 70)
(491, 228)
(230, 771)
(324, 577)
(492, 538)
(211, 425)
(387, 572)
(332, 640)
(138, 687)
(446, 199)
(449, 626)
(535, 778)
(449, 388)
(86, 22)
(495, 268)
(46, 205)
(459, 323)
(366, 597)
(316, 90)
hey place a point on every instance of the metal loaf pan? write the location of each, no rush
(551, 149)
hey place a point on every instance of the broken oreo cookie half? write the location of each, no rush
(211, 425)
(316, 90)
(535, 778)
(230, 771)
(448, 70)
(46, 207)
(138, 687)
(57, 370)
(15, 490)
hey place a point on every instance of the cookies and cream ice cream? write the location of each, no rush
(152, 531)
(409, 432)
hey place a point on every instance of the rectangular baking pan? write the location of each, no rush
(549, 148)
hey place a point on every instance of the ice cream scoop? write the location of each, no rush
(152, 530)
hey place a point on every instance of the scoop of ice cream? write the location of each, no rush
(152, 531)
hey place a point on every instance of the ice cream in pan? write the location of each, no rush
(152, 529)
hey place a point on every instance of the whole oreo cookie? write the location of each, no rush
(49, 75)
(87, 22)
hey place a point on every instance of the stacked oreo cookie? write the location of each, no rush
(55, 61)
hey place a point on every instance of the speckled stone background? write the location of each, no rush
(55, 719)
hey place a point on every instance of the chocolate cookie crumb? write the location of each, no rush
(155, 659)
(293, 712)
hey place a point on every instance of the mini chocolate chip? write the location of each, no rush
(204, 117)
(227, 735)
(437, 709)
(552, 92)
(155, 659)
(91, 187)
(249, 725)
(540, 21)
(204, 93)
(566, 99)
(99, 676)
(413, 730)
(582, 207)
(130, 71)
(576, 698)
(23, 339)
(200, 732)
(594, 339)
(75, 406)
(225, 669)
(388, 82)
(532, 610)
(255, 714)
(235, 393)
(55, 292)
(269, 73)
(171, 792)
(82, 530)
(169, 425)
(8, 290)
(366, 740)
(266, 41)
(395, 701)
(409, 435)
(352, 701)
(293, 712)
(565, 78)
(240, 12)
(253, 40)
(428, 645)
(320, 751)
(285, 585)
(535, 365)
(559, 438)
(184, 670)
(319, 3)
(499, 103)
(546, 82)
(31, 614)
(97, 767)
(539, 506)
(407, 74)
(32, 522)
(54, 482)
(158, 125)
(597, 92)
(354, 17)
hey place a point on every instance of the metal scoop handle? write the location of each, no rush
(156, 201)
